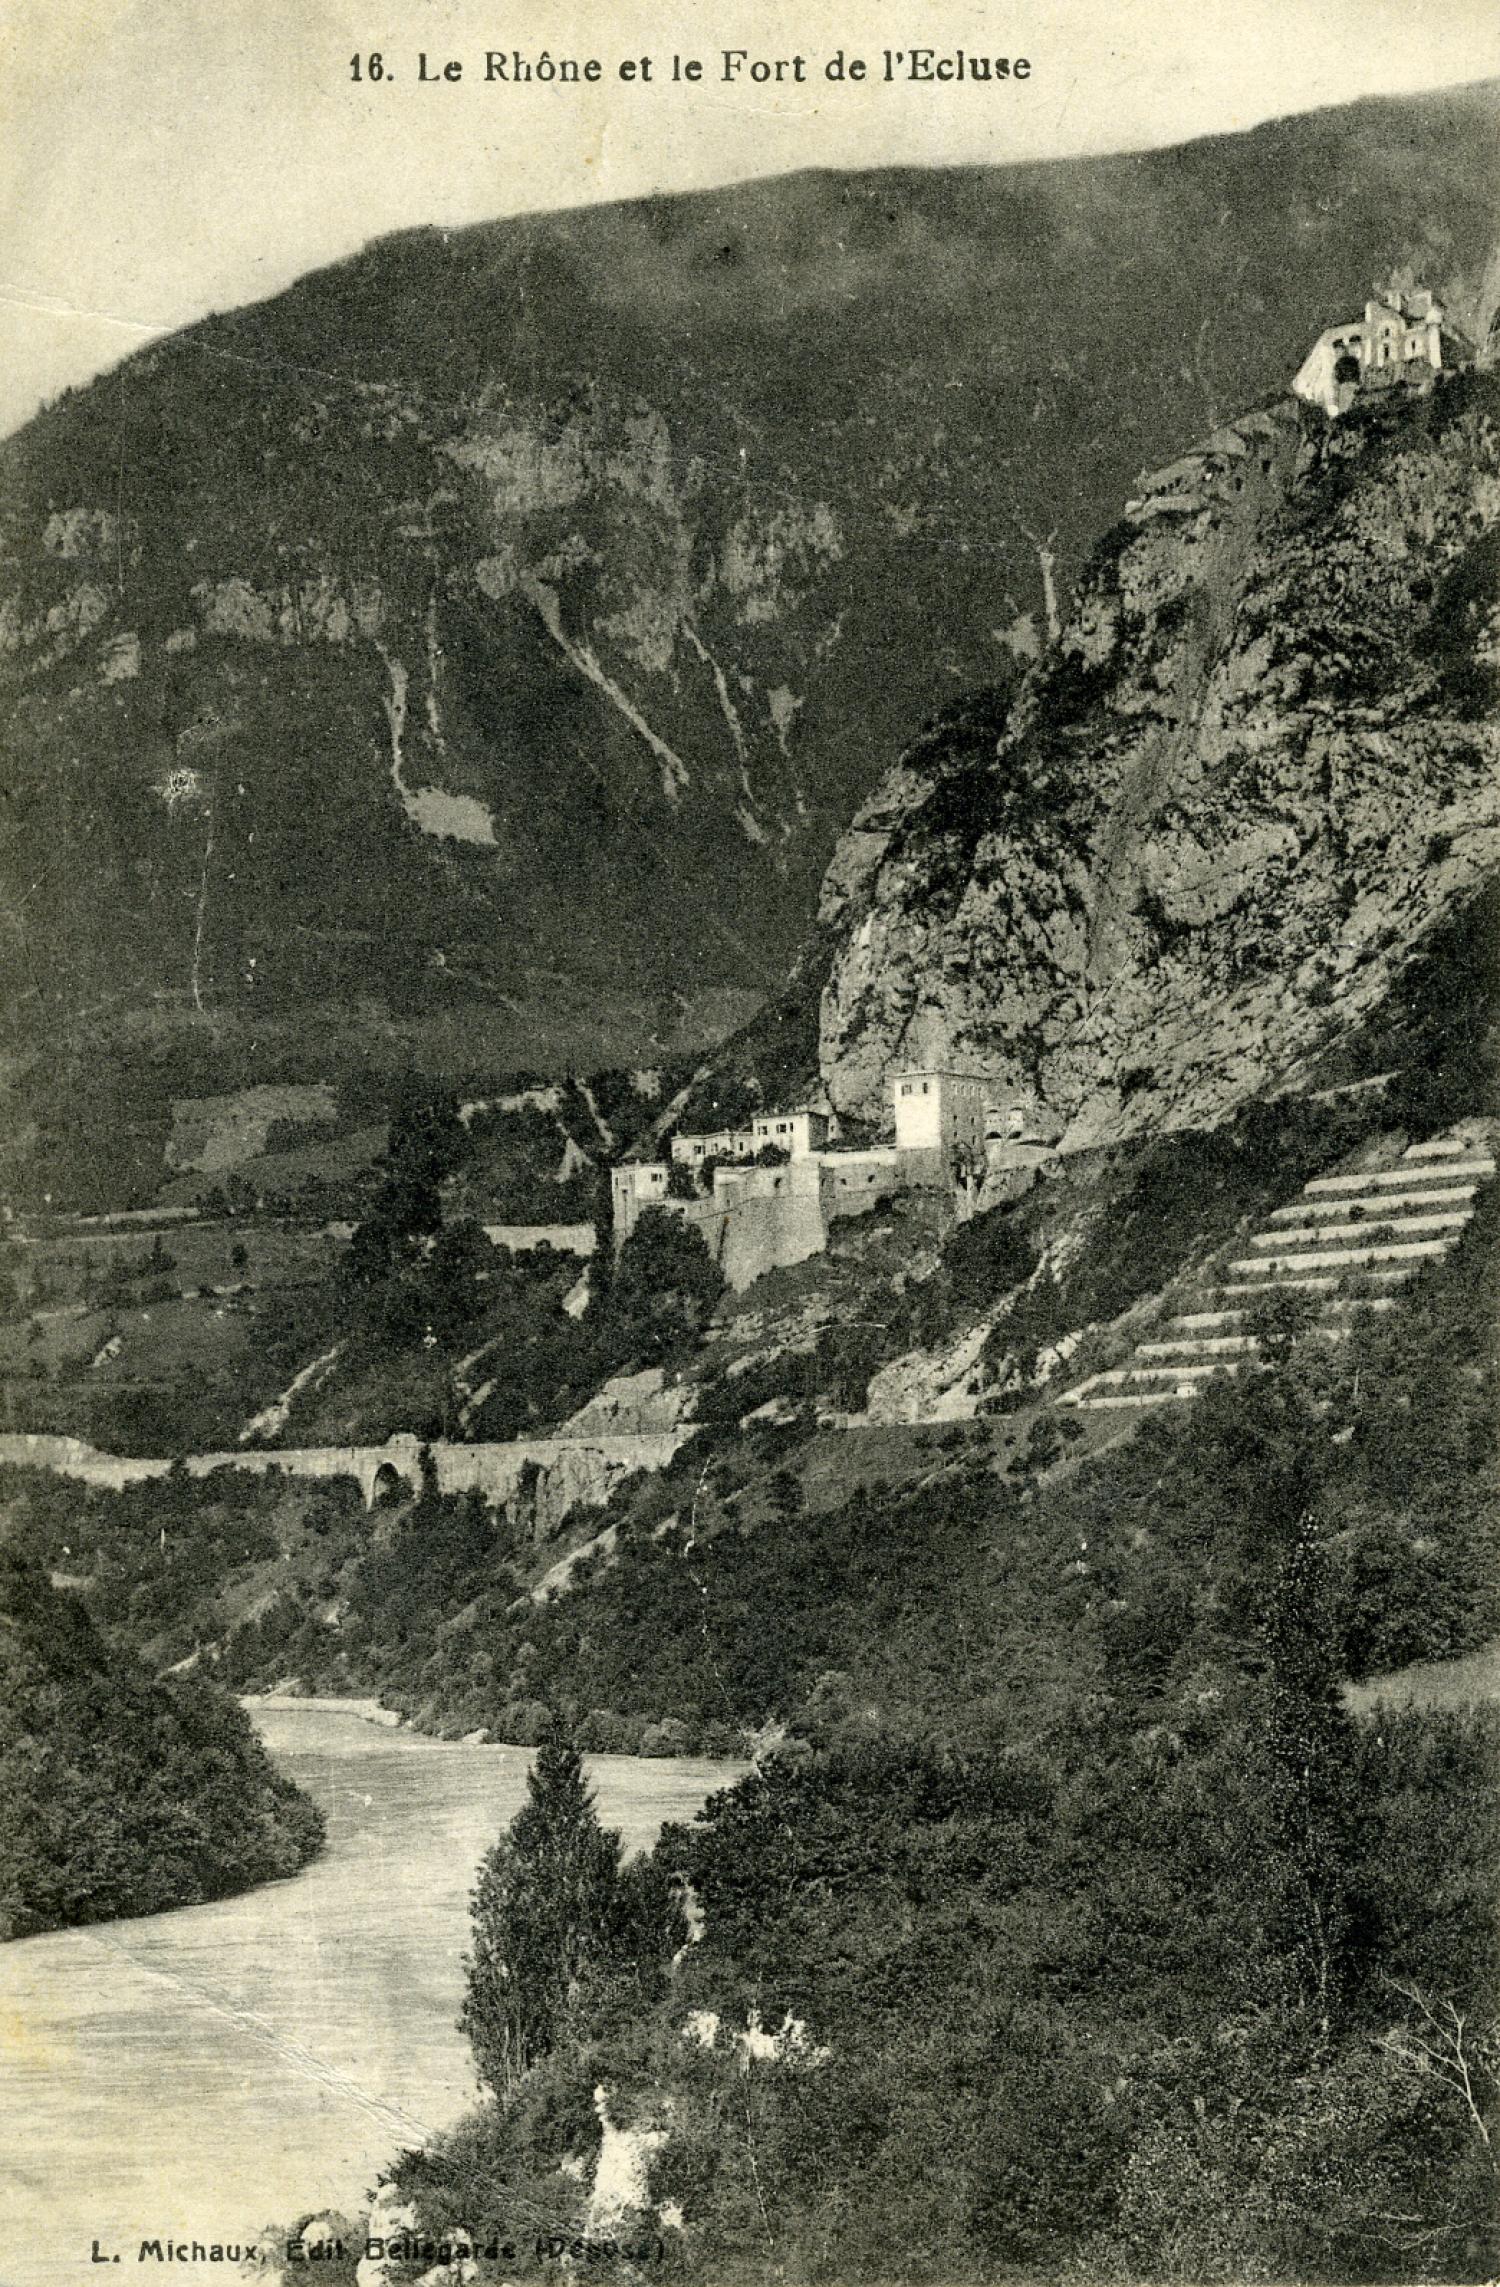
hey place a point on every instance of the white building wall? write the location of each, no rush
(724, 1143)
(1389, 343)
(963, 1103)
(637, 1185)
(940, 1111)
(572, 1238)
(919, 1111)
(797, 1133)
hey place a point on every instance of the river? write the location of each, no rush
(206, 2073)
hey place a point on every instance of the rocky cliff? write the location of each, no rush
(471, 655)
(1223, 813)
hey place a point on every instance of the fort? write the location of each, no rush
(764, 1197)
(1400, 342)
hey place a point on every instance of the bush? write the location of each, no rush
(522, 1722)
(1280, 1322)
(603, 1732)
(989, 1255)
(664, 1289)
(669, 1737)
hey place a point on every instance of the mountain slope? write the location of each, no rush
(1226, 811)
(472, 653)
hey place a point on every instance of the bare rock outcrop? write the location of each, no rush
(632, 1405)
(1257, 768)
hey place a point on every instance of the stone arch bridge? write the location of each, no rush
(559, 1473)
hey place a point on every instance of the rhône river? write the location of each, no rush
(205, 2073)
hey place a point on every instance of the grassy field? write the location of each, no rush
(235, 1252)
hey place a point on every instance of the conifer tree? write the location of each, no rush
(550, 1916)
(602, 1261)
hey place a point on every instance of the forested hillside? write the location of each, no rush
(1078, 1925)
(124, 1793)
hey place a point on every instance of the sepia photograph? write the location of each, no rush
(749, 1085)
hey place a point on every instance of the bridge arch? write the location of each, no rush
(379, 1483)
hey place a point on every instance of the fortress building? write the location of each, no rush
(796, 1133)
(940, 1124)
(953, 1129)
(637, 1185)
(1398, 343)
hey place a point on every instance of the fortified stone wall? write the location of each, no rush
(563, 1238)
(768, 1218)
(72, 1457)
(763, 1235)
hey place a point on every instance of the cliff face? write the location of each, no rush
(470, 656)
(1258, 767)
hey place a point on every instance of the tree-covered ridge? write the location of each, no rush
(124, 1793)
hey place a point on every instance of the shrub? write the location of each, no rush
(669, 1737)
(664, 1288)
(989, 1255)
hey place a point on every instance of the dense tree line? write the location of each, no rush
(729, 1596)
(564, 1933)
